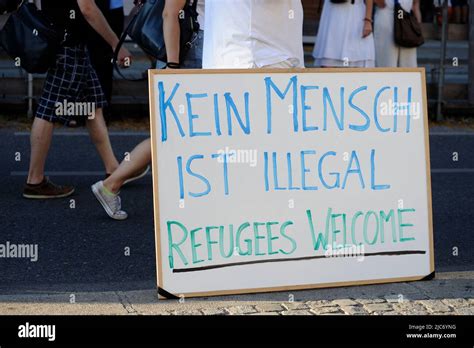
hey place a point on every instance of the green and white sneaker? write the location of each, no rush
(110, 202)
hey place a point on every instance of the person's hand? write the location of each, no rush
(367, 29)
(124, 58)
(380, 3)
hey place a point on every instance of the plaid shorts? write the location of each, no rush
(71, 89)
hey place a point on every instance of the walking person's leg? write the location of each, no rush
(140, 157)
(100, 137)
(40, 140)
(38, 186)
(107, 191)
(55, 90)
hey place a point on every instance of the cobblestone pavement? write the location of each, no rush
(449, 293)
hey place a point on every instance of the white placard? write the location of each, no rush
(288, 179)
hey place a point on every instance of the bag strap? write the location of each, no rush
(194, 13)
(122, 39)
(115, 59)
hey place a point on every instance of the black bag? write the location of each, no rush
(146, 29)
(407, 29)
(29, 37)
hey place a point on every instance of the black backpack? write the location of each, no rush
(30, 39)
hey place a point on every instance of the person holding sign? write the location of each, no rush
(253, 34)
(107, 191)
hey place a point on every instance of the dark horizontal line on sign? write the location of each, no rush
(304, 258)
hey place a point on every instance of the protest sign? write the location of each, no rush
(269, 180)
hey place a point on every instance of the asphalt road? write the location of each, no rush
(82, 249)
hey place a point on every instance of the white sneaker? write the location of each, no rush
(111, 203)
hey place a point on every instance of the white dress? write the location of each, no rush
(339, 42)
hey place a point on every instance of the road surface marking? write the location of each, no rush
(452, 170)
(145, 133)
(82, 134)
(69, 173)
(101, 173)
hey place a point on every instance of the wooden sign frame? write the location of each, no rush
(156, 203)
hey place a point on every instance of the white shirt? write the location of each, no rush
(405, 4)
(248, 33)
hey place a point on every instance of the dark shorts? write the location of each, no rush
(71, 89)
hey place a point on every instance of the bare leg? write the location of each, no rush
(100, 137)
(40, 139)
(140, 157)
